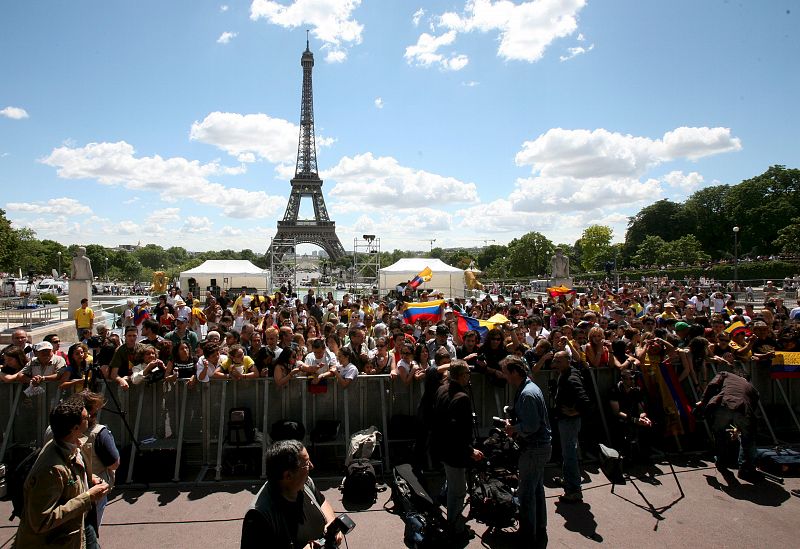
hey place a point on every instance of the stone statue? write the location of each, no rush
(81, 265)
(560, 264)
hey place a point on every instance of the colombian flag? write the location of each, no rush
(427, 310)
(737, 327)
(467, 323)
(785, 365)
(424, 276)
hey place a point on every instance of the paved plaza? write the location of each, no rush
(695, 507)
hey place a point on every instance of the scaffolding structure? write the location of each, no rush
(366, 263)
(282, 263)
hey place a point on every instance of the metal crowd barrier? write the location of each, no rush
(192, 421)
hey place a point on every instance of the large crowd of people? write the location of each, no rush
(654, 335)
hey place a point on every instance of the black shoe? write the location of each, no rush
(571, 497)
(558, 481)
(750, 475)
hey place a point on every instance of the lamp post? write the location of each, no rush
(735, 256)
(59, 263)
(106, 269)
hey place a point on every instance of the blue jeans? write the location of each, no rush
(568, 429)
(456, 492)
(533, 508)
(723, 417)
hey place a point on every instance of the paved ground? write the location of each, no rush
(696, 506)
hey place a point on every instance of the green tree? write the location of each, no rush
(664, 218)
(152, 256)
(488, 254)
(709, 218)
(761, 207)
(788, 240)
(529, 255)
(649, 252)
(498, 269)
(686, 250)
(9, 244)
(594, 243)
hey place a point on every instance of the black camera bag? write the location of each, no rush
(360, 484)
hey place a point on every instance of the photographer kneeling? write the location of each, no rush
(289, 510)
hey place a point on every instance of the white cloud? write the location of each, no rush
(14, 113)
(164, 215)
(196, 224)
(600, 153)
(470, 83)
(379, 102)
(383, 183)
(67, 207)
(56, 226)
(425, 52)
(570, 194)
(131, 200)
(331, 21)
(525, 29)
(418, 15)
(246, 136)
(174, 178)
(226, 37)
(685, 182)
(223, 8)
(228, 231)
(574, 52)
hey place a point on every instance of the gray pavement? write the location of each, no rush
(696, 506)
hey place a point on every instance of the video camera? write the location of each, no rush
(343, 524)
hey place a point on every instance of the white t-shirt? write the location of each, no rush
(349, 372)
(325, 363)
(403, 365)
(211, 368)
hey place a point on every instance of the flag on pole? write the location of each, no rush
(424, 276)
(558, 291)
(466, 323)
(426, 310)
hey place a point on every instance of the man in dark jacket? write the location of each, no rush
(571, 402)
(732, 400)
(453, 441)
(289, 511)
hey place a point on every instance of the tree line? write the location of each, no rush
(766, 208)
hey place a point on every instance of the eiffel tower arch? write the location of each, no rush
(320, 231)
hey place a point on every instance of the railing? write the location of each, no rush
(176, 415)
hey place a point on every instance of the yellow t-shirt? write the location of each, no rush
(84, 317)
(228, 364)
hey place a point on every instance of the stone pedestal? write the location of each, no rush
(78, 289)
(566, 282)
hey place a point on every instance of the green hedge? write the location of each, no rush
(48, 298)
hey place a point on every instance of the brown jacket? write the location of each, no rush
(56, 501)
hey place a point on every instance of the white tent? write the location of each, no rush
(224, 274)
(446, 279)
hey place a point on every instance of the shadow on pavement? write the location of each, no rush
(578, 517)
(764, 493)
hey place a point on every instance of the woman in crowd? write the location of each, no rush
(406, 367)
(346, 371)
(285, 368)
(14, 360)
(181, 364)
(598, 349)
(491, 353)
(380, 362)
(78, 362)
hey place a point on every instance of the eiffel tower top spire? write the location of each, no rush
(307, 147)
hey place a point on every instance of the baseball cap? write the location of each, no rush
(681, 326)
(43, 346)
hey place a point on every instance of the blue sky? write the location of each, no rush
(176, 123)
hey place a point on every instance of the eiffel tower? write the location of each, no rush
(320, 231)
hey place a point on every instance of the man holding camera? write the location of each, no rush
(289, 511)
(530, 426)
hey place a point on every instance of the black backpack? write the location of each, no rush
(16, 484)
(240, 426)
(360, 484)
(492, 503)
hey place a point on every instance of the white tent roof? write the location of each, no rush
(414, 265)
(239, 267)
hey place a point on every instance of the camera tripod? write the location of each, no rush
(90, 377)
